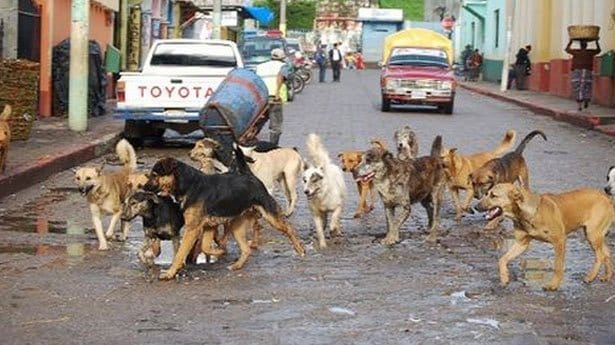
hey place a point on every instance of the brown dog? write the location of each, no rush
(5, 136)
(350, 160)
(459, 167)
(402, 183)
(551, 218)
(510, 168)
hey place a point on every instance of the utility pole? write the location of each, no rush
(510, 9)
(217, 19)
(78, 74)
(283, 17)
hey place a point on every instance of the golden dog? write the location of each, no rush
(459, 167)
(5, 136)
(107, 192)
(350, 160)
(551, 218)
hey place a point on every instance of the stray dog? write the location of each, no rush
(137, 181)
(5, 136)
(278, 165)
(350, 160)
(459, 167)
(162, 220)
(551, 218)
(407, 145)
(402, 183)
(508, 169)
(324, 186)
(106, 192)
(610, 181)
(204, 152)
(208, 201)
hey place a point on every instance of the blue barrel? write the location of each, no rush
(238, 105)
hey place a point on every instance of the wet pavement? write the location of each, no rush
(57, 288)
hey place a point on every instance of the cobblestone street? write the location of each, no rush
(54, 284)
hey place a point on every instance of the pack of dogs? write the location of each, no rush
(198, 208)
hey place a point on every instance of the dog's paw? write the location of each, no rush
(166, 276)
(109, 236)
(550, 287)
(357, 215)
(387, 241)
(103, 247)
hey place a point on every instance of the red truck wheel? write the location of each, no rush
(386, 104)
(448, 107)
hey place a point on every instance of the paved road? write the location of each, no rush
(57, 288)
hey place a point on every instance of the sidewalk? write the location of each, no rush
(595, 117)
(52, 148)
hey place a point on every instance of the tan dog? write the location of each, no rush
(107, 192)
(204, 153)
(350, 160)
(136, 181)
(5, 136)
(459, 167)
(551, 218)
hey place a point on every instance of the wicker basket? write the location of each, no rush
(583, 32)
(19, 88)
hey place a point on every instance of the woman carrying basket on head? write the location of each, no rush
(582, 67)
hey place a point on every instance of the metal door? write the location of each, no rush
(29, 31)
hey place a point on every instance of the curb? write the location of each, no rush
(28, 175)
(585, 121)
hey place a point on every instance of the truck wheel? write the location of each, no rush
(136, 131)
(386, 104)
(448, 107)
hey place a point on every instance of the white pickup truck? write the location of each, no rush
(177, 79)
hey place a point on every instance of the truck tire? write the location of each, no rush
(136, 131)
(448, 107)
(386, 104)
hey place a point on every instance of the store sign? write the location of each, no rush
(210, 3)
(229, 18)
(381, 15)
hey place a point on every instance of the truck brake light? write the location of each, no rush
(120, 91)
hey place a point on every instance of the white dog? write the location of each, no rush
(280, 165)
(610, 182)
(323, 184)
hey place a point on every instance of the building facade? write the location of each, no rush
(542, 24)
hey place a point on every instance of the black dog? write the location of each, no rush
(208, 201)
(162, 220)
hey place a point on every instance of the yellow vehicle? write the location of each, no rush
(416, 69)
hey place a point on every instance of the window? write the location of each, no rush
(192, 55)
(497, 27)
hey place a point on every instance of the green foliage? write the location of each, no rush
(413, 9)
(299, 13)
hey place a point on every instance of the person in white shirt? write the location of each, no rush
(273, 73)
(335, 56)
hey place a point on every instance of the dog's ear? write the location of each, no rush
(340, 155)
(452, 151)
(74, 170)
(100, 168)
(516, 195)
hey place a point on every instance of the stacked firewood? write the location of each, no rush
(19, 88)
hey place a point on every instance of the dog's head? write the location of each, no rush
(502, 199)
(139, 203)
(162, 177)
(482, 180)
(451, 160)
(5, 129)
(312, 180)
(137, 181)
(405, 140)
(350, 159)
(610, 182)
(87, 178)
(373, 163)
(204, 149)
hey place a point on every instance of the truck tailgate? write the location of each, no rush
(172, 92)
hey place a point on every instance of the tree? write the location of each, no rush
(413, 10)
(299, 13)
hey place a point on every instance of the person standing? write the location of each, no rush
(321, 61)
(522, 67)
(335, 56)
(582, 69)
(273, 73)
(476, 61)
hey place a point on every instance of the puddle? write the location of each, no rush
(166, 255)
(73, 253)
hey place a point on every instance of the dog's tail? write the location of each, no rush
(316, 150)
(6, 113)
(521, 147)
(436, 147)
(127, 154)
(506, 143)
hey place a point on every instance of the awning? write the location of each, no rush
(262, 14)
